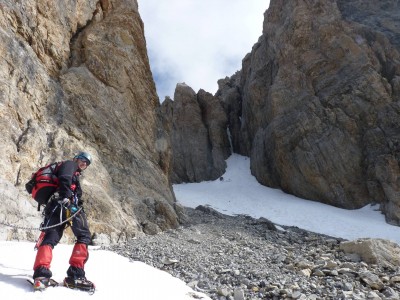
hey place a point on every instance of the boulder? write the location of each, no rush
(374, 251)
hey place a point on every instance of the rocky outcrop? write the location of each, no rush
(318, 102)
(75, 75)
(374, 251)
(196, 124)
(230, 97)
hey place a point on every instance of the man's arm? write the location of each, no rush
(65, 174)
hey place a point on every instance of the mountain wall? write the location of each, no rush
(320, 102)
(316, 105)
(74, 75)
(196, 124)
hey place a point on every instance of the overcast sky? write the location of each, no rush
(199, 41)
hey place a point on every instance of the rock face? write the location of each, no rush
(374, 251)
(199, 141)
(75, 75)
(316, 105)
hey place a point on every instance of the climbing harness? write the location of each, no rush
(45, 227)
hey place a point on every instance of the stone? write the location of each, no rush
(238, 294)
(169, 261)
(296, 295)
(318, 272)
(372, 280)
(390, 293)
(223, 292)
(305, 272)
(374, 251)
(395, 279)
(304, 265)
(347, 286)
(373, 296)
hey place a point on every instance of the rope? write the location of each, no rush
(42, 228)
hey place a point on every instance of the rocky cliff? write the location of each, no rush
(320, 100)
(74, 75)
(316, 105)
(196, 124)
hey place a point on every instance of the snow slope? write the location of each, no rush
(115, 276)
(240, 193)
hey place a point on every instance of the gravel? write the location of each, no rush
(238, 257)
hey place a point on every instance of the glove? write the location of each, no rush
(64, 202)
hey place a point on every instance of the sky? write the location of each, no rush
(239, 192)
(199, 42)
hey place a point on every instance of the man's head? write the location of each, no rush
(83, 159)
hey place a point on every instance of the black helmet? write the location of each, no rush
(84, 156)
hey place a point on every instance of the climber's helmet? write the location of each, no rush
(84, 156)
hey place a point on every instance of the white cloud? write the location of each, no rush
(199, 41)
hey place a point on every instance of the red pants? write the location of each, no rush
(78, 257)
(53, 235)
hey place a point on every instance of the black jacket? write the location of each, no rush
(68, 176)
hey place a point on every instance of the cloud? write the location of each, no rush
(199, 41)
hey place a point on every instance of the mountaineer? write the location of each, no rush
(63, 203)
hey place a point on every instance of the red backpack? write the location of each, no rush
(43, 183)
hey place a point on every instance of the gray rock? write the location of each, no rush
(372, 280)
(196, 124)
(374, 251)
(318, 121)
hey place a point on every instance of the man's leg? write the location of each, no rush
(42, 263)
(80, 252)
(51, 238)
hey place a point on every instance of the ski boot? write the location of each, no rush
(80, 283)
